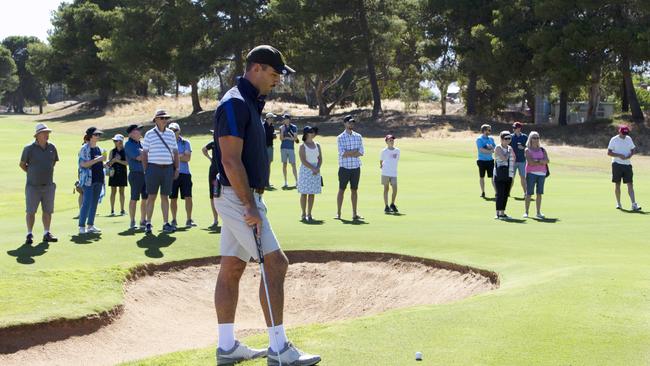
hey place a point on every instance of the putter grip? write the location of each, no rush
(258, 244)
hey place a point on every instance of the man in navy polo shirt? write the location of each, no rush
(240, 148)
(518, 143)
(133, 151)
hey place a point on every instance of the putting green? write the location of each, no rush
(573, 291)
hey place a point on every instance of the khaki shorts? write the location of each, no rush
(40, 195)
(237, 238)
(386, 180)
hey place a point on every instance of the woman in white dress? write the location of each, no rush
(309, 178)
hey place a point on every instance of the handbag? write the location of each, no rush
(548, 171)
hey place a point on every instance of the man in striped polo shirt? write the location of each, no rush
(161, 164)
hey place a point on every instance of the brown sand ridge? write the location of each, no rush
(169, 307)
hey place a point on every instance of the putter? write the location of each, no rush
(260, 253)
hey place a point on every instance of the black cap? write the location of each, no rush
(268, 55)
(133, 127)
(349, 118)
(309, 129)
(93, 130)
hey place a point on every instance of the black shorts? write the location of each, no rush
(118, 179)
(351, 176)
(183, 184)
(138, 186)
(622, 171)
(485, 166)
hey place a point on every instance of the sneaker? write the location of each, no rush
(167, 228)
(387, 209)
(303, 218)
(49, 238)
(82, 230)
(132, 226)
(290, 355)
(148, 228)
(122, 213)
(337, 217)
(112, 214)
(357, 217)
(93, 230)
(310, 218)
(525, 216)
(636, 207)
(238, 353)
(174, 224)
(393, 208)
(190, 223)
(29, 239)
(541, 216)
(482, 194)
(505, 217)
(618, 206)
(143, 225)
(215, 224)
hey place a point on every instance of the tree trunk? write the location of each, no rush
(470, 100)
(320, 97)
(222, 86)
(530, 101)
(625, 104)
(372, 73)
(40, 108)
(443, 98)
(564, 100)
(630, 92)
(176, 92)
(196, 103)
(594, 95)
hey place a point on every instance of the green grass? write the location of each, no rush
(574, 292)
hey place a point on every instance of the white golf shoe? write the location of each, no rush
(291, 356)
(238, 353)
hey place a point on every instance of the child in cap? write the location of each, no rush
(388, 164)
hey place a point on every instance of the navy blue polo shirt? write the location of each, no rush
(239, 114)
(519, 140)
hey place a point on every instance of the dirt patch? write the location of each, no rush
(171, 308)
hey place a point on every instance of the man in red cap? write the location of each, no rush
(621, 148)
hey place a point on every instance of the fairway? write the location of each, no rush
(573, 291)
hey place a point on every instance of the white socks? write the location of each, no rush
(277, 338)
(226, 336)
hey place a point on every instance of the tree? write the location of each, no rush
(38, 65)
(8, 76)
(368, 50)
(29, 88)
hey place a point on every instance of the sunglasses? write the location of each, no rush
(534, 138)
(97, 134)
(507, 138)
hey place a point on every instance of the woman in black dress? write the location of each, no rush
(117, 173)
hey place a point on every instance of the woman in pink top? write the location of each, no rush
(536, 170)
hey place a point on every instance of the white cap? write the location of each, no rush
(118, 137)
(41, 127)
(174, 126)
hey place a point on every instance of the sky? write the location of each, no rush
(26, 17)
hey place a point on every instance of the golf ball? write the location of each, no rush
(418, 356)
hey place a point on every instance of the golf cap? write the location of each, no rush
(93, 130)
(309, 129)
(271, 115)
(118, 137)
(161, 113)
(268, 55)
(41, 127)
(625, 130)
(133, 127)
(517, 125)
(174, 126)
(349, 118)
(389, 137)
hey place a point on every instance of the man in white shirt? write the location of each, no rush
(388, 164)
(621, 148)
(161, 163)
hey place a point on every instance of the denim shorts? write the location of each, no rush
(533, 180)
(521, 167)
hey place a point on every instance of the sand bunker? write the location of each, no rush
(173, 310)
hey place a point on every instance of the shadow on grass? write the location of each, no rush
(490, 199)
(25, 253)
(128, 232)
(290, 188)
(354, 222)
(153, 243)
(85, 238)
(514, 221)
(214, 229)
(394, 214)
(312, 222)
(270, 188)
(547, 220)
(638, 212)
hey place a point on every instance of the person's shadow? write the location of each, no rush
(638, 212)
(354, 222)
(153, 243)
(548, 220)
(86, 238)
(25, 253)
(312, 222)
(214, 229)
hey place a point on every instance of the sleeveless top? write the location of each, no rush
(536, 169)
(311, 155)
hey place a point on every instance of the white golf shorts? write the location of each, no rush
(237, 238)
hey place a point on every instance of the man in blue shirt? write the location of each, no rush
(133, 150)
(240, 148)
(288, 133)
(184, 181)
(518, 143)
(485, 145)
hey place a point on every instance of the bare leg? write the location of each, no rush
(617, 192)
(121, 199)
(354, 197)
(310, 203)
(164, 206)
(151, 202)
(226, 293)
(188, 207)
(284, 172)
(30, 218)
(143, 211)
(215, 215)
(385, 194)
(47, 220)
(303, 204)
(113, 192)
(295, 173)
(174, 207)
(275, 267)
(538, 203)
(394, 194)
(339, 201)
(528, 204)
(481, 182)
(132, 207)
(630, 191)
(523, 183)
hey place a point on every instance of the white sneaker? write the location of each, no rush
(82, 230)
(93, 230)
(291, 356)
(541, 216)
(238, 353)
(618, 206)
(525, 216)
(636, 207)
